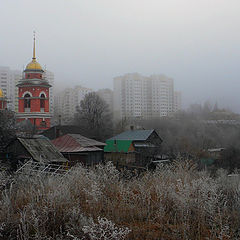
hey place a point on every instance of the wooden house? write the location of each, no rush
(133, 148)
(79, 149)
(21, 150)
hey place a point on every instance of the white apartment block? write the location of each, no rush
(137, 96)
(17, 76)
(8, 81)
(177, 101)
(131, 96)
(66, 103)
(50, 77)
(162, 95)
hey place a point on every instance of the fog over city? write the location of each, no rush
(90, 42)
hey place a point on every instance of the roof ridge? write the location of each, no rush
(138, 134)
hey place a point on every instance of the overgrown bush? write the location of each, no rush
(174, 202)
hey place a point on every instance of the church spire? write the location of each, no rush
(34, 47)
(34, 65)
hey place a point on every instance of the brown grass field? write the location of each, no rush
(172, 203)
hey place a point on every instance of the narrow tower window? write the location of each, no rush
(42, 101)
(27, 101)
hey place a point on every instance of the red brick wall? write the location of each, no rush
(35, 103)
(33, 75)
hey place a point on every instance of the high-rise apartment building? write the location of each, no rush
(17, 76)
(177, 101)
(49, 76)
(8, 81)
(67, 101)
(131, 96)
(137, 96)
(162, 95)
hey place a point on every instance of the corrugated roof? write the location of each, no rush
(42, 150)
(86, 142)
(76, 143)
(133, 135)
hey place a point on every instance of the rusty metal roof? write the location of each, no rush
(76, 143)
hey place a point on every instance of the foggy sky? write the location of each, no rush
(88, 42)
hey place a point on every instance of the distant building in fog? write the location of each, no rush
(177, 101)
(17, 75)
(49, 76)
(8, 80)
(107, 95)
(137, 96)
(162, 90)
(66, 103)
(131, 96)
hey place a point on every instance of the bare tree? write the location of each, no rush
(94, 116)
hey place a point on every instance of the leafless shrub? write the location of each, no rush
(105, 229)
(174, 202)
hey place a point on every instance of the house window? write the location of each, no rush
(27, 101)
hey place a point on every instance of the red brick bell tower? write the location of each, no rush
(33, 95)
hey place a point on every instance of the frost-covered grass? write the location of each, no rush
(174, 202)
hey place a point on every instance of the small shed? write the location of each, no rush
(37, 149)
(133, 148)
(79, 149)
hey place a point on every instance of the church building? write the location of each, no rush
(33, 96)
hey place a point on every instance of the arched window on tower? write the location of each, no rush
(27, 102)
(42, 102)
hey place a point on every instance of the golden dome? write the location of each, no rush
(34, 65)
(1, 93)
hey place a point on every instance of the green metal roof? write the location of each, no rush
(133, 135)
(117, 146)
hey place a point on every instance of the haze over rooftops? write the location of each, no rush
(133, 135)
(51, 133)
